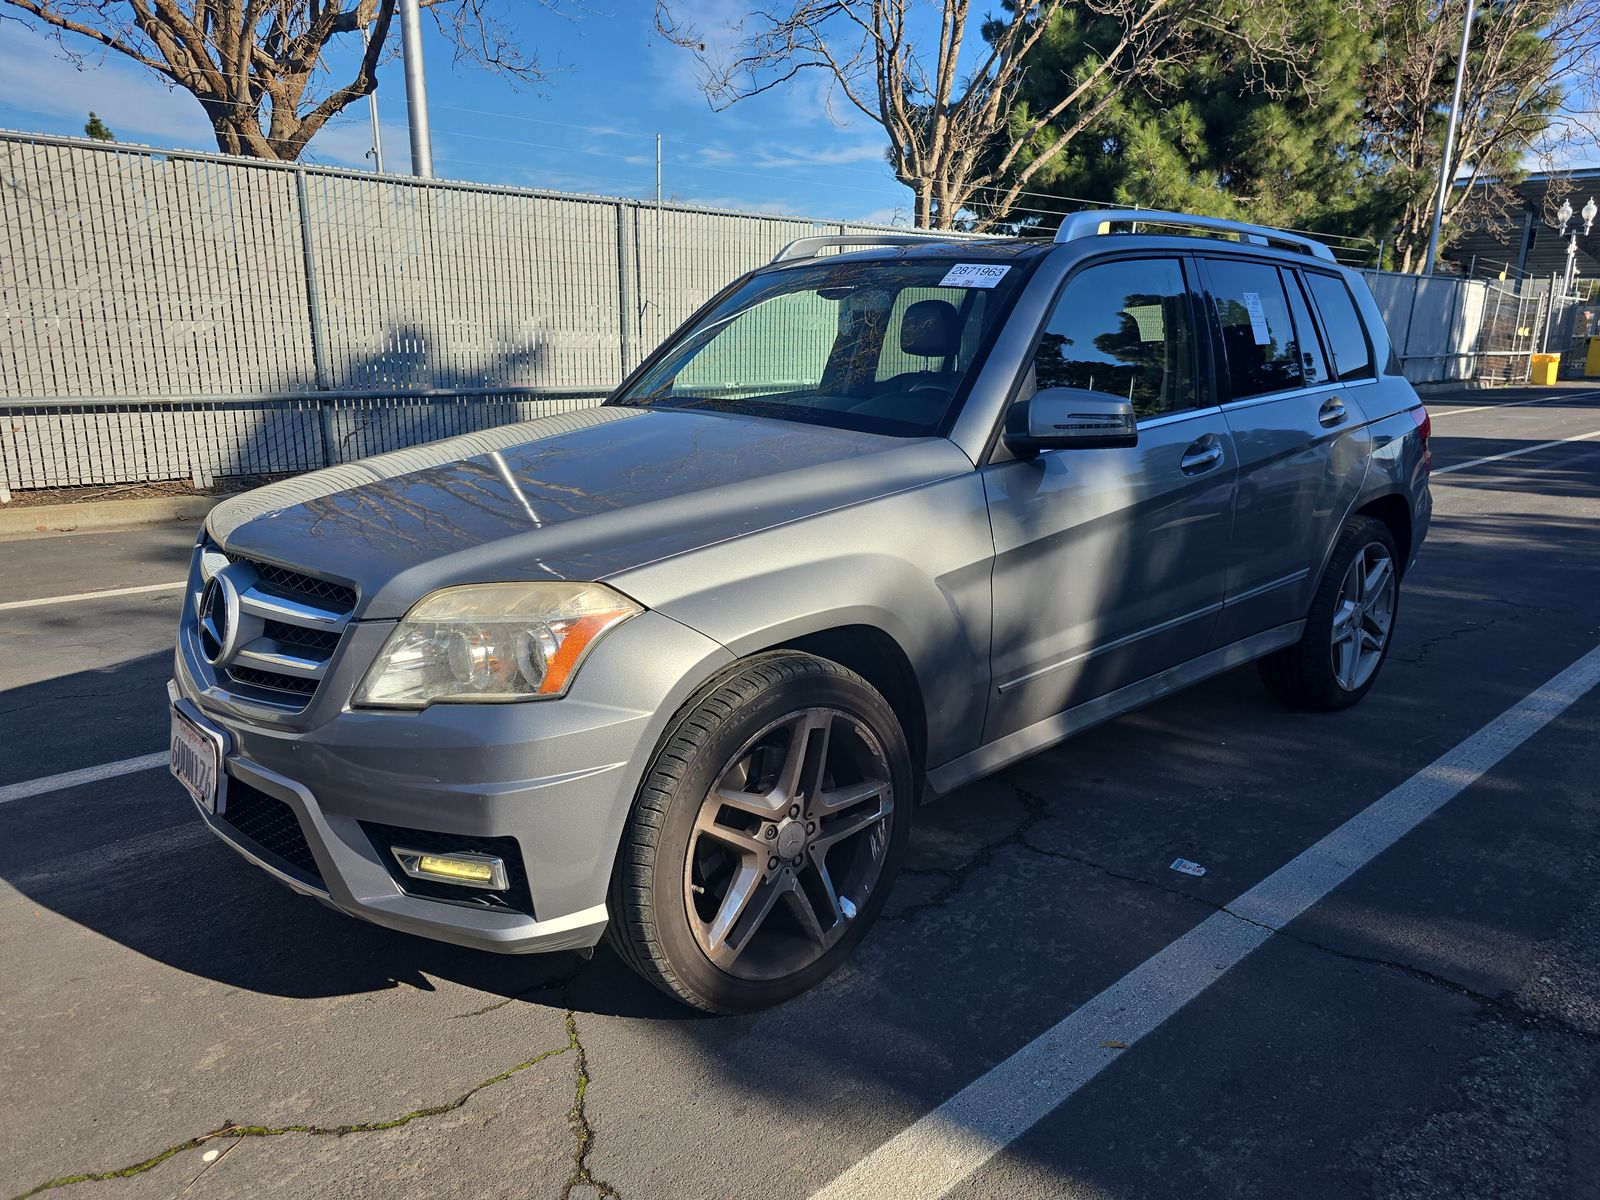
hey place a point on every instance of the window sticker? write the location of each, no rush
(1258, 318)
(974, 275)
(1151, 321)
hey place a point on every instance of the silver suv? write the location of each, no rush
(678, 669)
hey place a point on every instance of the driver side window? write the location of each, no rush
(1123, 328)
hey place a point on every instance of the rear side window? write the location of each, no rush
(1312, 362)
(1123, 328)
(1347, 337)
(1258, 336)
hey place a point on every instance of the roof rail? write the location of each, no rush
(1088, 224)
(810, 247)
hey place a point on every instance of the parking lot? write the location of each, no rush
(1423, 1020)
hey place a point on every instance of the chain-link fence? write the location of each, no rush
(182, 315)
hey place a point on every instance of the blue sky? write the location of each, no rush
(592, 127)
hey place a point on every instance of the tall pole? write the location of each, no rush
(658, 170)
(372, 111)
(416, 89)
(1447, 167)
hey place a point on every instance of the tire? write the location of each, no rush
(820, 779)
(1314, 674)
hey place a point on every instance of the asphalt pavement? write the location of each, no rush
(1427, 1024)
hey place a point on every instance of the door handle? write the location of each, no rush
(1202, 456)
(1331, 412)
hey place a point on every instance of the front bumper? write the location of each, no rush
(556, 776)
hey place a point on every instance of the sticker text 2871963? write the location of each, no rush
(974, 275)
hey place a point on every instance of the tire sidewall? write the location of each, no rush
(845, 692)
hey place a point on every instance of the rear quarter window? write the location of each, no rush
(1341, 322)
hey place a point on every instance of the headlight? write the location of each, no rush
(491, 643)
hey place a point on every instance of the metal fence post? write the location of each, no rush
(627, 284)
(1458, 304)
(1411, 321)
(319, 344)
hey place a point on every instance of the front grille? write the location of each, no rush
(299, 621)
(273, 681)
(272, 827)
(517, 896)
(306, 639)
(297, 586)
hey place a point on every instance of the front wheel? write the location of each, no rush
(765, 837)
(1350, 626)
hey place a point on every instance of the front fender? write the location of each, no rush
(915, 565)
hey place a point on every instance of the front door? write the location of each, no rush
(1109, 563)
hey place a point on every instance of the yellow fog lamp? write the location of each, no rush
(462, 866)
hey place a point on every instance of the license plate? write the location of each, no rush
(196, 760)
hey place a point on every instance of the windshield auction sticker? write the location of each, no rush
(974, 275)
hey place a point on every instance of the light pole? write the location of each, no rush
(1447, 167)
(1566, 214)
(416, 89)
(376, 153)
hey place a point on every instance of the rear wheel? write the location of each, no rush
(765, 837)
(1350, 626)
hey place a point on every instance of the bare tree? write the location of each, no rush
(257, 67)
(1529, 83)
(950, 137)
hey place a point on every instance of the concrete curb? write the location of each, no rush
(46, 519)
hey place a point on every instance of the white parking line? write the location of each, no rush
(1478, 462)
(101, 595)
(67, 779)
(947, 1145)
(1471, 408)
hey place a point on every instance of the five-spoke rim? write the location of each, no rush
(788, 844)
(1363, 617)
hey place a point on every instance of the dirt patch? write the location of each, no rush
(38, 497)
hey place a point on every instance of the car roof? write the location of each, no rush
(1023, 249)
(939, 248)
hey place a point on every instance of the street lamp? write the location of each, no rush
(1565, 214)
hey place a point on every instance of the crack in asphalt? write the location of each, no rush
(1036, 808)
(35, 705)
(232, 1129)
(581, 1175)
(577, 1116)
(1425, 647)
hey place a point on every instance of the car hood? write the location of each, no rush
(583, 495)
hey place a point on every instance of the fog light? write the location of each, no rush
(463, 867)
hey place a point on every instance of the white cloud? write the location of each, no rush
(346, 139)
(36, 80)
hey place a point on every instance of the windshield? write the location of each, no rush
(884, 346)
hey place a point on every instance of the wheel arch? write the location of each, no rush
(1394, 510)
(877, 657)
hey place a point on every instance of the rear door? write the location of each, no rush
(1300, 437)
(1109, 563)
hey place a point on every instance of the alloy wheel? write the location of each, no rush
(788, 844)
(1364, 616)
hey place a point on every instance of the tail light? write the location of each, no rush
(1419, 414)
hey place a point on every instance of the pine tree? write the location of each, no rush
(98, 130)
(1275, 141)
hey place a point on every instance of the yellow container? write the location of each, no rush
(1545, 366)
(1591, 365)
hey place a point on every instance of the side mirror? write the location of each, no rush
(1061, 418)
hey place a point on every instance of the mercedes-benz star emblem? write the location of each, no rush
(217, 618)
(224, 627)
